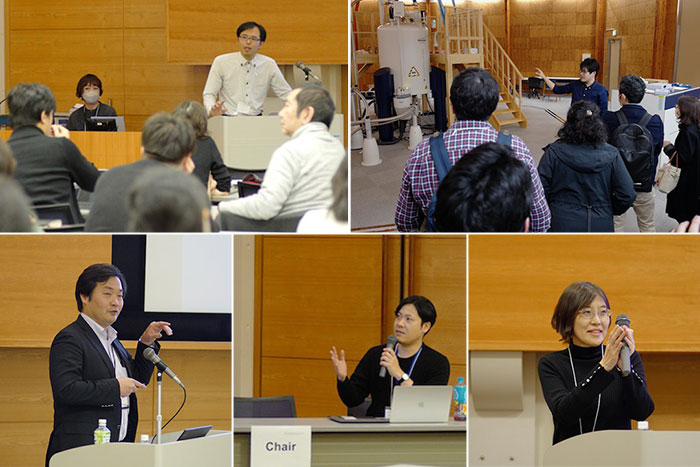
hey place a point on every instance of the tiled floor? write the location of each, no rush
(374, 190)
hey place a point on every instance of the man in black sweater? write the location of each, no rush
(409, 363)
(48, 163)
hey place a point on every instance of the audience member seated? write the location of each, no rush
(298, 177)
(683, 203)
(167, 200)
(487, 190)
(474, 96)
(584, 178)
(15, 212)
(48, 163)
(632, 89)
(89, 89)
(206, 156)
(335, 218)
(166, 140)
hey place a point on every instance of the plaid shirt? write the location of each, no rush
(420, 178)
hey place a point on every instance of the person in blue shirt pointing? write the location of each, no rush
(586, 89)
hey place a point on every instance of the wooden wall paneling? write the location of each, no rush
(42, 56)
(71, 14)
(635, 22)
(676, 398)
(144, 14)
(668, 57)
(319, 292)
(25, 390)
(153, 85)
(197, 32)
(312, 382)
(439, 273)
(37, 278)
(659, 39)
(515, 282)
(23, 444)
(392, 278)
(257, 324)
(600, 45)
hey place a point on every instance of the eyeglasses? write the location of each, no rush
(588, 314)
(246, 38)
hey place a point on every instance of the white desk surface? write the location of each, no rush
(325, 425)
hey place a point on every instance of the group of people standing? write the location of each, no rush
(588, 186)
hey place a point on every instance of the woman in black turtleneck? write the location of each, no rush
(600, 398)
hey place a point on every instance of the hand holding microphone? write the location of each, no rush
(624, 361)
(390, 343)
(620, 346)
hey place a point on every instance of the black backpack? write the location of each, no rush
(636, 147)
(442, 164)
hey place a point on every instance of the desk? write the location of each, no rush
(366, 444)
(104, 149)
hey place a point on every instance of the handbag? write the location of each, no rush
(668, 175)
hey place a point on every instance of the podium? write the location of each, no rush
(213, 450)
(247, 143)
(629, 448)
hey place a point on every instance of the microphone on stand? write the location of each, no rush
(307, 71)
(154, 358)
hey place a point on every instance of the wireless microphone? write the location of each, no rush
(390, 343)
(623, 320)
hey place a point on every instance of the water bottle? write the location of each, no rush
(460, 393)
(102, 433)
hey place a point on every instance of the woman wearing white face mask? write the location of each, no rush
(89, 89)
(582, 384)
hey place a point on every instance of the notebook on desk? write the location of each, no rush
(413, 404)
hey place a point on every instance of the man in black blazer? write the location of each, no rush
(48, 163)
(92, 375)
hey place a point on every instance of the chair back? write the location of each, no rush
(264, 407)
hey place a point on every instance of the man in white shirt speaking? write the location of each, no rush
(238, 81)
(299, 175)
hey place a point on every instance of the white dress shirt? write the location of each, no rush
(242, 84)
(106, 337)
(298, 177)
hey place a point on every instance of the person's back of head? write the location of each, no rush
(167, 138)
(15, 211)
(26, 102)
(195, 114)
(591, 65)
(689, 109)
(487, 190)
(583, 125)
(7, 160)
(633, 87)
(474, 94)
(317, 97)
(167, 200)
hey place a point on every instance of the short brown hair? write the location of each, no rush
(689, 107)
(576, 296)
(196, 114)
(167, 138)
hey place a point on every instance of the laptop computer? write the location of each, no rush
(421, 404)
(412, 404)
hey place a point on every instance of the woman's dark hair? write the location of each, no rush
(690, 111)
(250, 25)
(93, 275)
(583, 125)
(575, 297)
(424, 307)
(84, 81)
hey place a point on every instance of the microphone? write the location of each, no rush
(154, 358)
(307, 71)
(390, 343)
(623, 320)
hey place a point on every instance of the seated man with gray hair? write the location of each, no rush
(299, 175)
